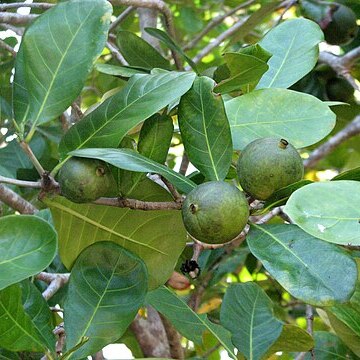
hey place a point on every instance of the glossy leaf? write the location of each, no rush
(353, 174)
(38, 310)
(122, 71)
(291, 339)
(290, 255)
(27, 246)
(205, 129)
(59, 48)
(244, 70)
(294, 54)
(329, 347)
(170, 43)
(130, 160)
(299, 118)
(247, 312)
(327, 211)
(137, 52)
(186, 321)
(17, 332)
(107, 287)
(158, 237)
(143, 96)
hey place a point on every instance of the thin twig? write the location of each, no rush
(352, 129)
(16, 19)
(184, 164)
(121, 18)
(138, 204)
(15, 5)
(287, 6)
(214, 22)
(271, 214)
(175, 194)
(54, 281)
(15, 201)
(7, 47)
(28, 184)
(116, 53)
(309, 328)
(25, 146)
(17, 30)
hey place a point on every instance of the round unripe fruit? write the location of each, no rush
(215, 212)
(342, 29)
(268, 164)
(83, 180)
(339, 89)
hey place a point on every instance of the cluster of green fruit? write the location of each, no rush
(216, 212)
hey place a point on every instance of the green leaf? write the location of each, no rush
(298, 268)
(345, 320)
(122, 71)
(143, 96)
(27, 246)
(247, 312)
(107, 287)
(353, 174)
(8, 355)
(245, 70)
(137, 52)
(257, 51)
(58, 51)
(294, 45)
(38, 310)
(190, 324)
(328, 211)
(279, 197)
(329, 347)
(158, 237)
(18, 333)
(170, 43)
(205, 129)
(291, 339)
(299, 118)
(130, 160)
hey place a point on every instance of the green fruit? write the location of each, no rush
(83, 180)
(342, 29)
(268, 164)
(215, 212)
(339, 89)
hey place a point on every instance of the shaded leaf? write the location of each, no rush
(143, 96)
(298, 268)
(257, 51)
(27, 246)
(244, 70)
(58, 48)
(294, 54)
(107, 287)
(291, 339)
(247, 312)
(18, 333)
(327, 211)
(186, 321)
(299, 118)
(122, 71)
(130, 160)
(353, 174)
(138, 52)
(205, 130)
(158, 237)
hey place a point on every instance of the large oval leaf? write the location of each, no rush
(299, 118)
(328, 210)
(186, 321)
(291, 256)
(107, 287)
(158, 237)
(17, 332)
(58, 50)
(205, 129)
(130, 160)
(294, 46)
(27, 246)
(247, 312)
(143, 96)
